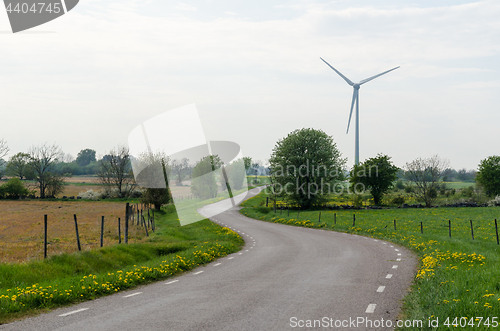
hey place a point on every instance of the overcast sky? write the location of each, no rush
(252, 68)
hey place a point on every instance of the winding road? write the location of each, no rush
(284, 278)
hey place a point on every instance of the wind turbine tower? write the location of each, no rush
(355, 99)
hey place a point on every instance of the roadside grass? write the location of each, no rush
(457, 276)
(31, 287)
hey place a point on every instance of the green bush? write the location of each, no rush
(408, 189)
(398, 200)
(13, 189)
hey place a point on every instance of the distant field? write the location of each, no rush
(21, 227)
(459, 185)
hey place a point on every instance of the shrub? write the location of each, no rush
(468, 192)
(495, 202)
(408, 189)
(92, 195)
(398, 200)
(400, 185)
(13, 189)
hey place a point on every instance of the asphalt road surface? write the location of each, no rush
(285, 278)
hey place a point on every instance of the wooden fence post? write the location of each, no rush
(394, 225)
(127, 214)
(471, 230)
(353, 219)
(77, 235)
(102, 231)
(153, 225)
(44, 236)
(421, 228)
(449, 227)
(496, 228)
(145, 226)
(335, 218)
(119, 231)
(267, 201)
(319, 217)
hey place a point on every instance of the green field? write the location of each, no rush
(28, 288)
(457, 276)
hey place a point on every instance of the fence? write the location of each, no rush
(139, 215)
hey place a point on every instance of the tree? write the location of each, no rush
(376, 174)
(304, 164)
(235, 172)
(115, 171)
(85, 157)
(255, 167)
(154, 178)
(179, 169)
(488, 175)
(3, 168)
(425, 175)
(18, 165)
(42, 161)
(4, 149)
(248, 163)
(203, 183)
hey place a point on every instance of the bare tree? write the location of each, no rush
(115, 171)
(42, 160)
(153, 177)
(4, 149)
(180, 169)
(425, 175)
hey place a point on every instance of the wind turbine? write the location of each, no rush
(355, 99)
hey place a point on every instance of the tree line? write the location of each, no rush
(46, 167)
(306, 165)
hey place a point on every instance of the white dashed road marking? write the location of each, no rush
(371, 308)
(73, 312)
(394, 267)
(389, 276)
(133, 294)
(381, 289)
(217, 264)
(197, 273)
(229, 258)
(174, 281)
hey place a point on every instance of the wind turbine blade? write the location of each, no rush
(345, 78)
(369, 79)
(354, 98)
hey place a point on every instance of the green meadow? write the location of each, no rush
(32, 287)
(458, 277)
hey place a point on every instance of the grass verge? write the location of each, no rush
(29, 288)
(458, 281)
